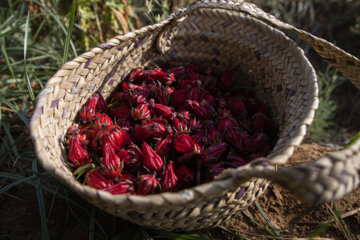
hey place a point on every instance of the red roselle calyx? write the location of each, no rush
(192, 116)
(163, 146)
(111, 162)
(151, 160)
(147, 184)
(101, 119)
(140, 112)
(169, 180)
(122, 187)
(186, 176)
(184, 143)
(132, 157)
(88, 110)
(95, 179)
(111, 133)
(213, 153)
(236, 138)
(78, 156)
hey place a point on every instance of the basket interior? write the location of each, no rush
(266, 58)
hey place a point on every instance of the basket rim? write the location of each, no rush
(213, 188)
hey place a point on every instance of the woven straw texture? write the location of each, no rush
(221, 34)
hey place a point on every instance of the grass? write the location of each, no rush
(36, 38)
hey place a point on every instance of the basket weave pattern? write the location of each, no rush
(269, 61)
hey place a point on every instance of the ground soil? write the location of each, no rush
(20, 213)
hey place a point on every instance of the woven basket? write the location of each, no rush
(222, 34)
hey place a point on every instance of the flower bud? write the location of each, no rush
(112, 133)
(161, 95)
(163, 146)
(258, 142)
(151, 160)
(121, 112)
(147, 184)
(122, 187)
(236, 138)
(169, 180)
(94, 178)
(183, 116)
(136, 73)
(78, 156)
(162, 110)
(238, 107)
(258, 122)
(184, 143)
(178, 97)
(179, 126)
(213, 153)
(131, 157)
(100, 119)
(111, 162)
(88, 110)
(156, 74)
(228, 79)
(235, 161)
(125, 176)
(186, 176)
(212, 171)
(140, 112)
(200, 111)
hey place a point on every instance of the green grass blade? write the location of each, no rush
(32, 96)
(356, 137)
(267, 219)
(69, 32)
(17, 111)
(40, 198)
(7, 60)
(258, 224)
(11, 185)
(236, 230)
(92, 224)
(347, 231)
(58, 21)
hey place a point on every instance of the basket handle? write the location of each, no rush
(343, 61)
(325, 179)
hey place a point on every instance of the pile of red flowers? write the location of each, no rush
(165, 130)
